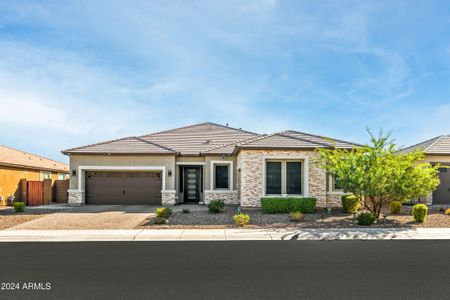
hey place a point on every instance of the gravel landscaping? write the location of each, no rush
(9, 218)
(337, 219)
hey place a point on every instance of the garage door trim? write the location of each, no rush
(82, 169)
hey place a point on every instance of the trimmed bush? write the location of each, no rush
(419, 212)
(350, 203)
(159, 221)
(19, 207)
(216, 206)
(365, 219)
(447, 212)
(185, 211)
(396, 206)
(241, 219)
(296, 216)
(163, 212)
(284, 205)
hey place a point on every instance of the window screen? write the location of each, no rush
(293, 178)
(273, 178)
(221, 174)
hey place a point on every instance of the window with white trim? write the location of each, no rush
(61, 176)
(335, 184)
(284, 177)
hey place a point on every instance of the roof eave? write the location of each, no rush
(34, 168)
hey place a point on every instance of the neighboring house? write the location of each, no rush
(201, 163)
(16, 165)
(437, 150)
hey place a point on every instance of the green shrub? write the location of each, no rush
(296, 216)
(216, 206)
(284, 205)
(396, 206)
(350, 203)
(163, 212)
(365, 219)
(419, 212)
(447, 212)
(19, 206)
(159, 221)
(241, 219)
(185, 211)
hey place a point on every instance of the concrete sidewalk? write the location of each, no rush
(222, 234)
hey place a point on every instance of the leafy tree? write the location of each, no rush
(378, 174)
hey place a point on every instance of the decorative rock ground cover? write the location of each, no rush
(321, 219)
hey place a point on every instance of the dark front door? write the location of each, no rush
(123, 188)
(442, 194)
(192, 183)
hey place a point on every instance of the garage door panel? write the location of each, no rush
(123, 188)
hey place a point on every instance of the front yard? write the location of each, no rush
(9, 218)
(320, 219)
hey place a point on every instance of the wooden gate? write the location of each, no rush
(35, 193)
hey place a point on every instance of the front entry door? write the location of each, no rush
(442, 194)
(192, 182)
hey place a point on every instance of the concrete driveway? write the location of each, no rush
(92, 217)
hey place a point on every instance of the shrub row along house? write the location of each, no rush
(201, 163)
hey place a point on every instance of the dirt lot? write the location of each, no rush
(337, 219)
(9, 218)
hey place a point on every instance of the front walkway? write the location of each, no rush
(222, 234)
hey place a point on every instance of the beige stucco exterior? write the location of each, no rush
(160, 163)
(246, 186)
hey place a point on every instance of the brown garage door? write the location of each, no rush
(123, 188)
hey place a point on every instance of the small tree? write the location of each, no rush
(378, 174)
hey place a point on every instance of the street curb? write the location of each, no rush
(233, 234)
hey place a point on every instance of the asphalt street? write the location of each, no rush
(226, 270)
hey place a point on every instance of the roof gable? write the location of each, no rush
(13, 157)
(321, 140)
(437, 145)
(296, 139)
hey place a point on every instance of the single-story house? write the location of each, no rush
(437, 150)
(16, 165)
(201, 163)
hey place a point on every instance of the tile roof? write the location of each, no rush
(126, 145)
(437, 145)
(188, 140)
(17, 158)
(295, 139)
(195, 139)
(209, 139)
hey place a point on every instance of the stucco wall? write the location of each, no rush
(167, 161)
(251, 164)
(10, 180)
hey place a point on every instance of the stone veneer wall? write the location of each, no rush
(229, 197)
(168, 198)
(76, 197)
(334, 199)
(251, 165)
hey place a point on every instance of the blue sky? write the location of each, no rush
(78, 72)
